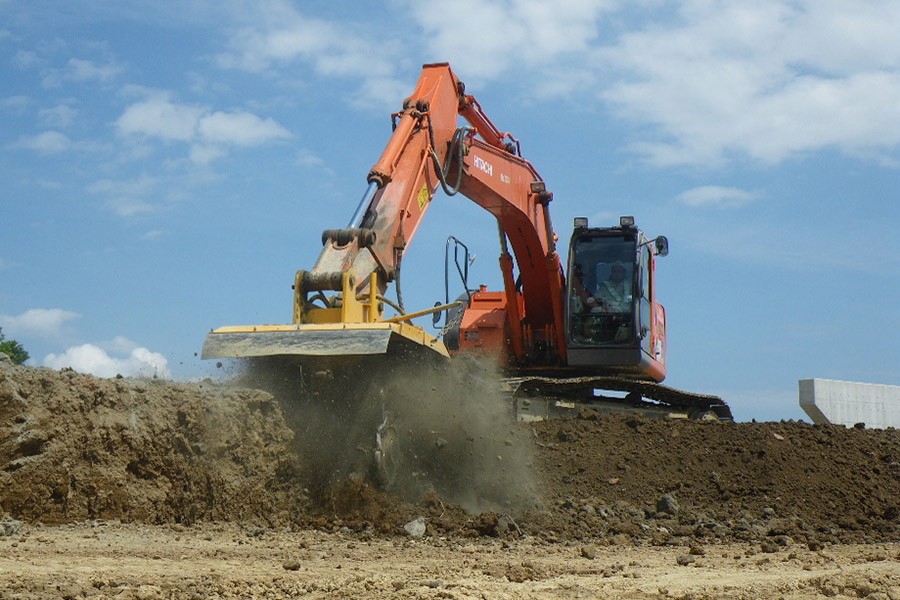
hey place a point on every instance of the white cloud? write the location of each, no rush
(79, 71)
(508, 33)
(203, 154)
(119, 345)
(715, 196)
(59, 116)
(49, 142)
(16, 103)
(126, 207)
(137, 187)
(306, 158)
(127, 197)
(771, 80)
(208, 132)
(703, 81)
(85, 70)
(41, 322)
(132, 360)
(158, 117)
(508, 37)
(278, 34)
(239, 128)
(26, 59)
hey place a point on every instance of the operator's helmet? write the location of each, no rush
(604, 270)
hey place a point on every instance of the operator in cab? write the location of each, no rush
(615, 292)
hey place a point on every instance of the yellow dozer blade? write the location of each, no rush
(325, 339)
(353, 328)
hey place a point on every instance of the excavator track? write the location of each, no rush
(537, 398)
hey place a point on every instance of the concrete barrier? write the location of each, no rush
(848, 403)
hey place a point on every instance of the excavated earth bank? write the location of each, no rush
(75, 448)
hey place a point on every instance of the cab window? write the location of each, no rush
(601, 300)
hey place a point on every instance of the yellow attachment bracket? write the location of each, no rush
(299, 297)
(351, 308)
(346, 309)
(374, 313)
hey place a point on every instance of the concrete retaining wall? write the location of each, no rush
(849, 403)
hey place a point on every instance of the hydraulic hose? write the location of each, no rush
(442, 169)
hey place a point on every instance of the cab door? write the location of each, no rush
(645, 298)
(651, 316)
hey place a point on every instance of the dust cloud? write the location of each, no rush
(457, 436)
(324, 403)
(411, 430)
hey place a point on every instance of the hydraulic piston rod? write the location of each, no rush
(360, 212)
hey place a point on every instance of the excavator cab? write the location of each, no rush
(614, 324)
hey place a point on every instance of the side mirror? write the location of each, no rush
(435, 317)
(662, 246)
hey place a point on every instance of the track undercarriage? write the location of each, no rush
(537, 398)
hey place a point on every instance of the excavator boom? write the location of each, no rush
(427, 151)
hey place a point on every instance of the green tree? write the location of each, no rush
(14, 349)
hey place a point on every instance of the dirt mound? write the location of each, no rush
(670, 479)
(73, 447)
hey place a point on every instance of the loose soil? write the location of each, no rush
(141, 562)
(149, 489)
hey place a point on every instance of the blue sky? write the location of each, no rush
(168, 166)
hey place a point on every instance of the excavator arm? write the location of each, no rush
(409, 172)
(426, 151)
(401, 185)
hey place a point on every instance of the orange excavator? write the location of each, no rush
(592, 334)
